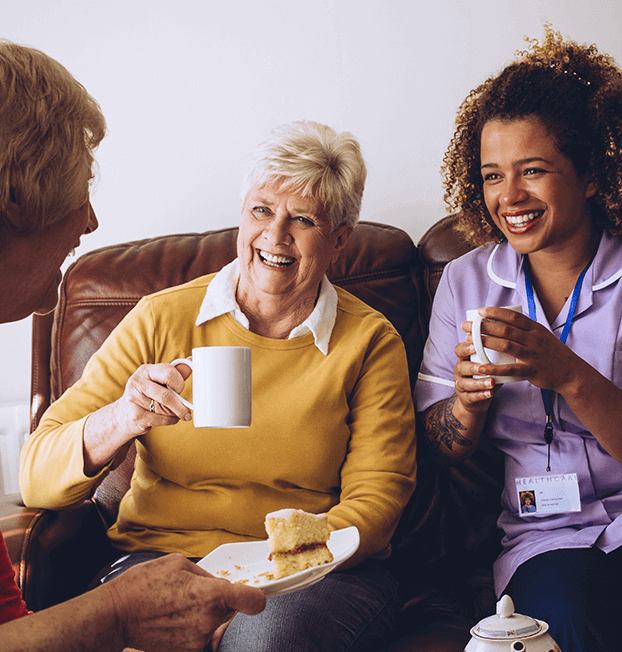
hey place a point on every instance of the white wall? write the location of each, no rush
(189, 86)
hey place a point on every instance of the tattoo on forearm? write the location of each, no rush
(443, 427)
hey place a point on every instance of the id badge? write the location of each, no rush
(543, 495)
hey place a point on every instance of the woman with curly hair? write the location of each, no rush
(534, 171)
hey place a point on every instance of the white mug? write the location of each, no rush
(221, 386)
(483, 355)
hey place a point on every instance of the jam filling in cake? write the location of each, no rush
(297, 541)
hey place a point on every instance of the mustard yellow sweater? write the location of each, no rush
(331, 433)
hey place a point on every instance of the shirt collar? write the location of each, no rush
(220, 299)
(506, 267)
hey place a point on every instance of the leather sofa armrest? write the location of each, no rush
(40, 389)
(55, 554)
(15, 522)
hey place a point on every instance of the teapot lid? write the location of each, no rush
(507, 625)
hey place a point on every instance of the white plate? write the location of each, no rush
(248, 562)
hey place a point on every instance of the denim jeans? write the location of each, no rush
(350, 611)
(577, 592)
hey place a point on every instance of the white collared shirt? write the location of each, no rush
(220, 300)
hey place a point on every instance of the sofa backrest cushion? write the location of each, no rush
(438, 245)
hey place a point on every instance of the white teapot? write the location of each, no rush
(510, 632)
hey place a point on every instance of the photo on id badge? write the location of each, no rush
(527, 502)
(554, 493)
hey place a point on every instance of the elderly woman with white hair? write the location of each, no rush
(333, 422)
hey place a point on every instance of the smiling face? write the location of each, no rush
(285, 245)
(30, 265)
(532, 190)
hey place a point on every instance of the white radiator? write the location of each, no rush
(14, 426)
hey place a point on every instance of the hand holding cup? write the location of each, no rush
(485, 355)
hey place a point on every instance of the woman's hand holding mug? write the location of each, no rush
(488, 356)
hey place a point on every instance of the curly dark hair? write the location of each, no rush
(576, 92)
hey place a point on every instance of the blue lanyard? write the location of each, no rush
(547, 394)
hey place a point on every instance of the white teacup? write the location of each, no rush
(221, 386)
(483, 355)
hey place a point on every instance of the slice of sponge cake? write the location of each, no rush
(297, 540)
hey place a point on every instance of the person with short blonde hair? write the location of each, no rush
(316, 161)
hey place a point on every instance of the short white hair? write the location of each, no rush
(316, 161)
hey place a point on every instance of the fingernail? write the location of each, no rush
(187, 416)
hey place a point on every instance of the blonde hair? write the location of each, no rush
(49, 127)
(576, 93)
(316, 161)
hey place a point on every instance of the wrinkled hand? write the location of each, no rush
(111, 427)
(172, 604)
(131, 414)
(219, 633)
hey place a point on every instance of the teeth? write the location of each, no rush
(276, 260)
(522, 220)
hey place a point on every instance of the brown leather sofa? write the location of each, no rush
(447, 538)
